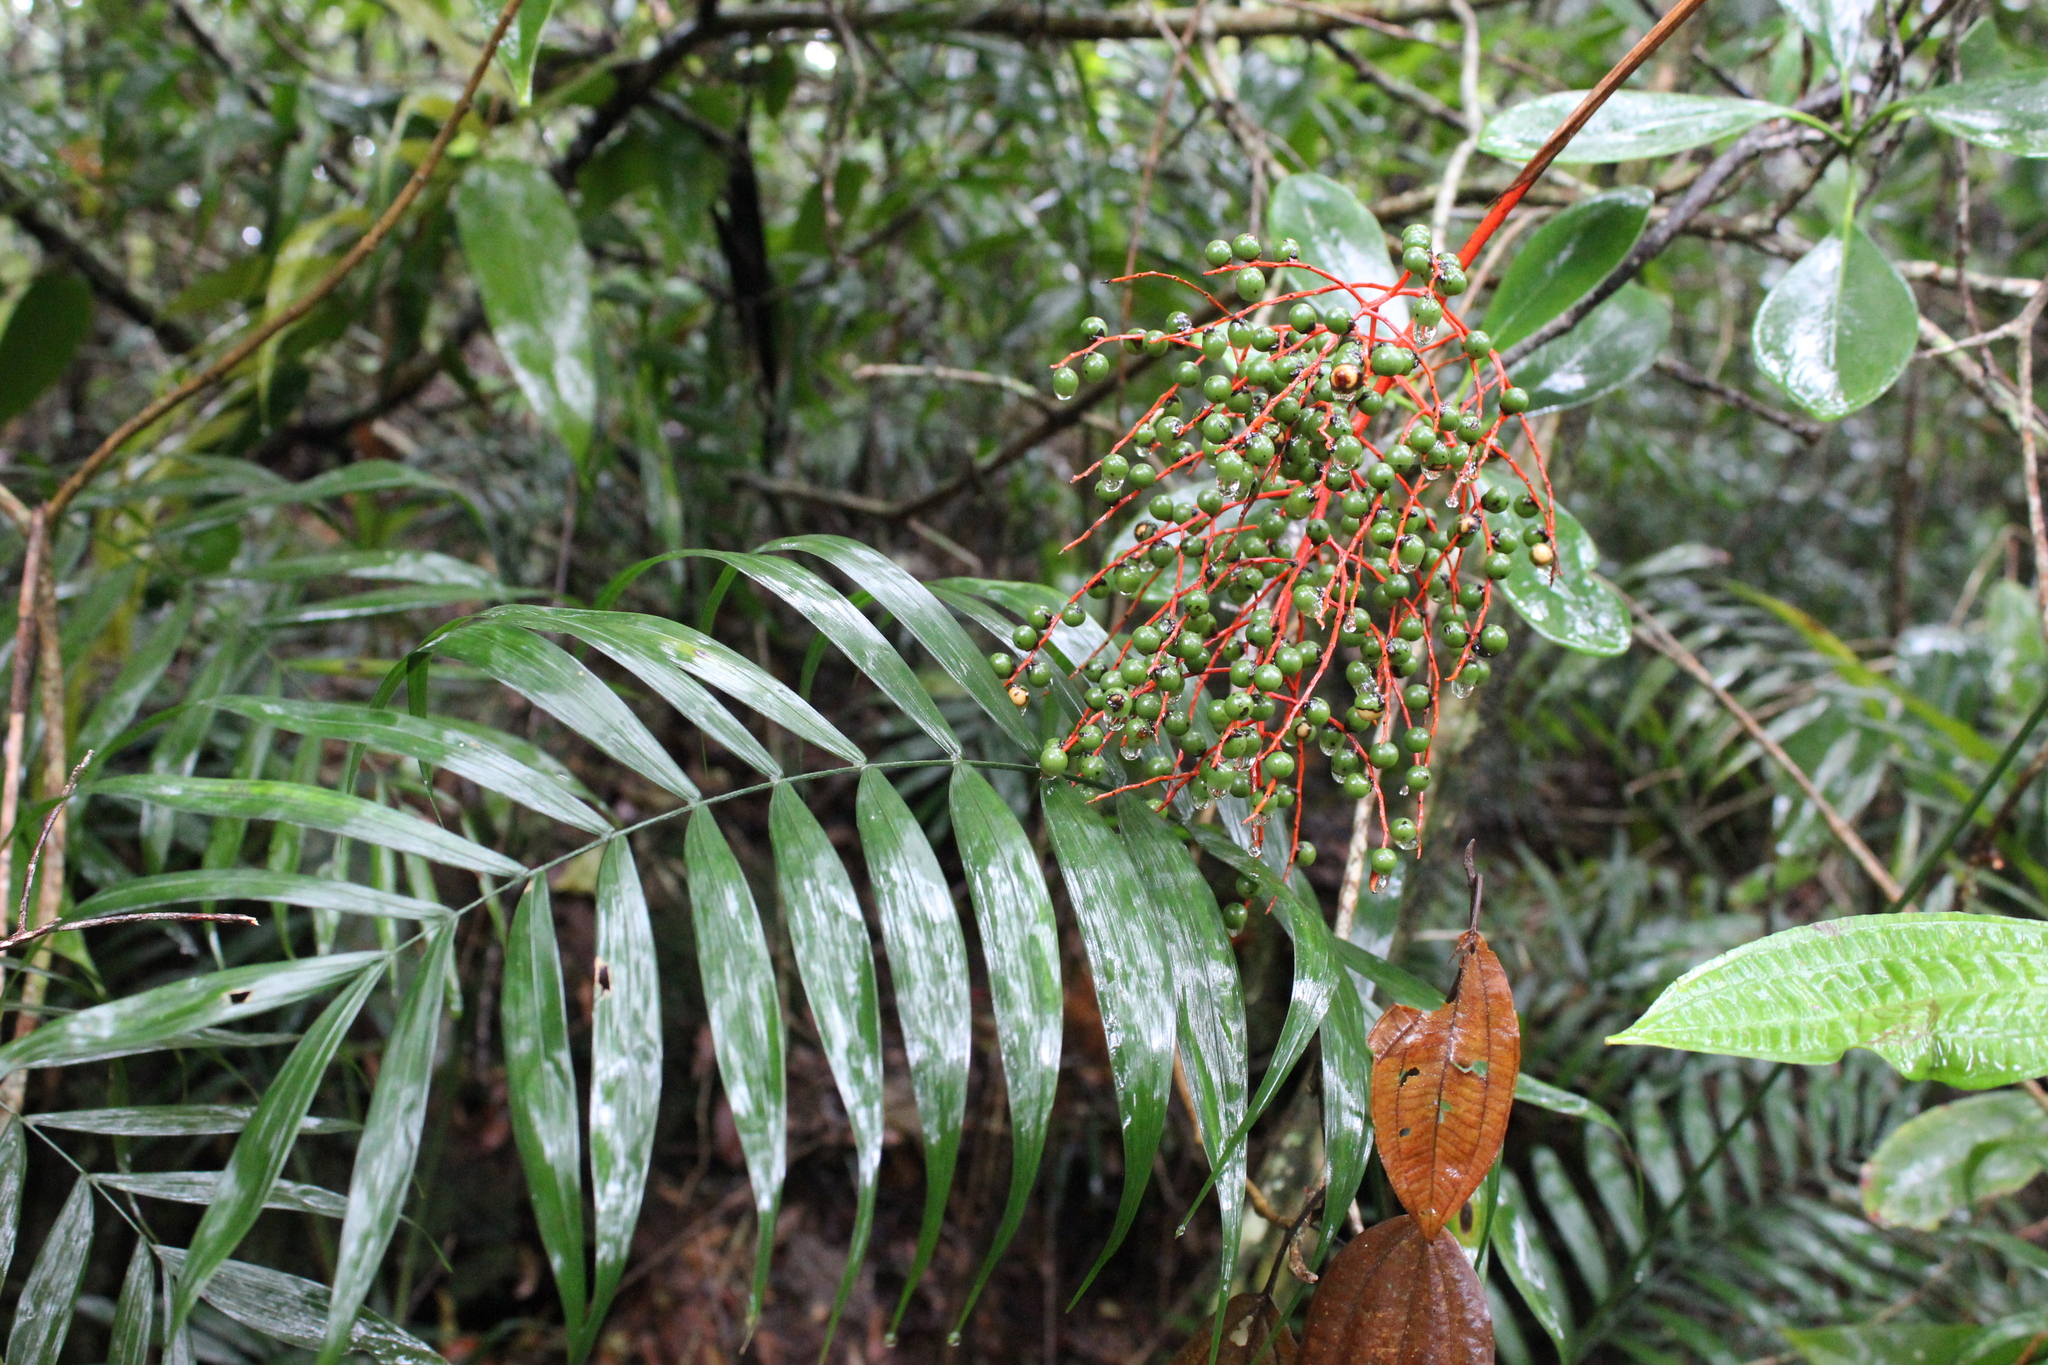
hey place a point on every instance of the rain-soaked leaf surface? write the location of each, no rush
(1394, 1296)
(1442, 1085)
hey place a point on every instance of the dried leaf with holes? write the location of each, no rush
(1252, 1335)
(1442, 1084)
(1397, 1295)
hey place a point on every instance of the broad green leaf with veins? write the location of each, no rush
(1631, 126)
(1838, 329)
(1961, 999)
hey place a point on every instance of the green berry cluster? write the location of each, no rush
(1314, 553)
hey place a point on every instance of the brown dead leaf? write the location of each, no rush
(1442, 1085)
(1398, 1296)
(1249, 1321)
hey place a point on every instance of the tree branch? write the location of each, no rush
(1734, 397)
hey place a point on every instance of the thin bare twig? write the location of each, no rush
(104, 921)
(291, 315)
(1734, 397)
(1473, 120)
(1653, 633)
(17, 703)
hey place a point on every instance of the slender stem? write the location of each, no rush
(17, 703)
(303, 305)
(1924, 873)
(1569, 129)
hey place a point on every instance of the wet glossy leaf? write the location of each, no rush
(1573, 1220)
(1253, 1334)
(50, 320)
(295, 1311)
(1632, 125)
(397, 566)
(1442, 1086)
(541, 1080)
(842, 623)
(266, 1141)
(1836, 26)
(1961, 999)
(1608, 348)
(829, 936)
(1544, 1095)
(913, 605)
(1395, 1297)
(551, 678)
(1946, 1159)
(2007, 112)
(42, 1316)
(254, 884)
(928, 967)
(1133, 984)
(380, 602)
(1338, 234)
(391, 1138)
(521, 46)
(1347, 1106)
(157, 1017)
(135, 1311)
(139, 676)
(437, 745)
(1884, 1343)
(311, 807)
(13, 1175)
(1564, 258)
(1020, 947)
(746, 1022)
(203, 1187)
(172, 1120)
(1578, 609)
(660, 652)
(1210, 1000)
(1403, 988)
(520, 238)
(625, 1072)
(1838, 328)
(1316, 975)
(1519, 1244)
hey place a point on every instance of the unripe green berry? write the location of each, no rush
(1514, 400)
(1250, 283)
(1217, 253)
(1245, 247)
(1389, 359)
(1065, 383)
(1478, 344)
(1385, 860)
(1052, 761)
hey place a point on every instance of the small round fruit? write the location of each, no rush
(1052, 761)
(1065, 383)
(1417, 778)
(1235, 914)
(1073, 615)
(1415, 696)
(1415, 739)
(1450, 280)
(1268, 678)
(1094, 328)
(1542, 556)
(1389, 359)
(1498, 566)
(1493, 639)
(1514, 400)
(1384, 755)
(1416, 260)
(1415, 234)
(1039, 675)
(1385, 860)
(1428, 313)
(1278, 766)
(1478, 343)
(1217, 253)
(1302, 317)
(1024, 637)
(1475, 673)
(1402, 831)
(1250, 283)
(1471, 596)
(1092, 768)
(1357, 787)
(1095, 367)
(1003, 664)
